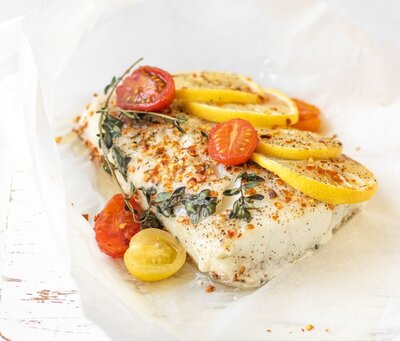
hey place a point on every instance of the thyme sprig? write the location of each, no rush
(166, 202)
(204, 134)
(109, 129)
(110, 125)
(241, 207)
(148, 218)
(139, 115)
(197, 206)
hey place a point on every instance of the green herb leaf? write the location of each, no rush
(199, 206)
(190, 208)
(149, 219)
(255, 197)
(242, 206)
(109, 86)
(251, 184)
(167, 205)
(204, 134)
(163, 196)
(122, 162)
(250, 177)
(152, 117)
(231, 192)
(110, 129)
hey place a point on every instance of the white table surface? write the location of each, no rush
(38, 299)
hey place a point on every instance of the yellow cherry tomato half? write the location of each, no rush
(153, 255)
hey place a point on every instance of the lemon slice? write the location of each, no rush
(297, 144)
(276, 110)
(216, 87)
(335, 181)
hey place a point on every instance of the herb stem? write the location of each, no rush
(119, 79)
(131, 113)
(110, 128)
(103, 114)
(242, 206)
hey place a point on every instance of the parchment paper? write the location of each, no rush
(350, 286)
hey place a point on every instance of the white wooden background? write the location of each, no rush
(38, 299)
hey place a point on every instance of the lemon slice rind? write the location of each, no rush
(264, 116)
(216, 87)
(325, 192)
(297, 145)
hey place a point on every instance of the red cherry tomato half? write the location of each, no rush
(146, 89)
(114, 226)
(232, 142)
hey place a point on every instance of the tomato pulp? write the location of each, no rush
(153, 255)
(147, 88)
(115, 226)
(232, 142)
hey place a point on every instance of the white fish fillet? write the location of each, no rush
(286, 224)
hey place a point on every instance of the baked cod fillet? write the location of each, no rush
(285, 225)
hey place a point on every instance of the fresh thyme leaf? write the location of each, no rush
(108, 140)
(109, 129)
(235, 209)
(242, 206)
(178, 126)
(250, 177)
(151, 116)
(204, 134)
(167, 201)
(251, 184)
(130, 114)
(231, 192)
(122, 162)
(148, 193)
(190, 208)
(109, 86)
(163, 196)
(255, 197)
(147, 116)
(106, 167)
(245, 215)
(204, 194)
(199, 206)
(150, 220)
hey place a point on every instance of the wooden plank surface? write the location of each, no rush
(38, 299)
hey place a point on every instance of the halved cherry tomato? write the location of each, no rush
(146, 89)
(232, 142)
(114, 226)
(312, 124)
(154, 255)
(306, 110)
(309, 116)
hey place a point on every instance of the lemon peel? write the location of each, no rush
(216, 87)
(297, 144)
(277, 110)
(336, 181)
